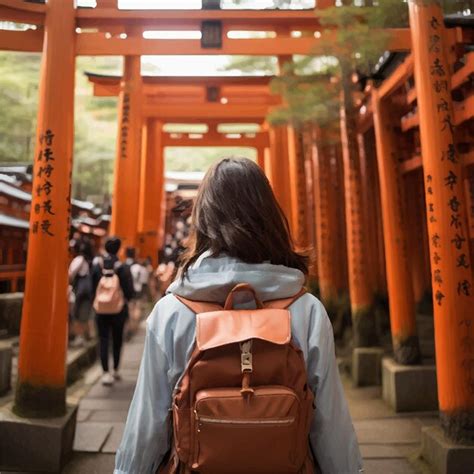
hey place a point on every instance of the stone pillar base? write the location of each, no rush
(34, 445)
(444, 456)
(6, 354)
(409, 387)
(366, 366)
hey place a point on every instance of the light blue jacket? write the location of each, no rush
(169, 342)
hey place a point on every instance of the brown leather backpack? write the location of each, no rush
(243, 404)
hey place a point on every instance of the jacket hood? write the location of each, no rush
(211, 279)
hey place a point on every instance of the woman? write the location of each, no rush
(112, 320)
(238, 235)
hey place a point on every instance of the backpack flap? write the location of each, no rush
(218, 328)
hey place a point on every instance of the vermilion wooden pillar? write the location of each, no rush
(127, 163)
(279, 168)
(280, 154)
(469, 192)
(107, 4)
(43, 336)
(310, 204)
(324, 3)
(162, 226)
(416, 224)
(453, 291)
(337, 178)
(151, 190)
(297, 181)
(261, 158)
(400, 290)
(268, 164)
(368, 213)
(360, 288)
(326, 202)
(372, 211)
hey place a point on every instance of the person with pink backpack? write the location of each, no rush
(238, 373)
(113, 288)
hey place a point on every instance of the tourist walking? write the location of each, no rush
(113, 288)
(140, 276)
(239, 372)
(80, 292)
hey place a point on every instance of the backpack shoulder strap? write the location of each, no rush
(198, 307)
(285, 302)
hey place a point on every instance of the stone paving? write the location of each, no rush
(389, 442)
(103, 411)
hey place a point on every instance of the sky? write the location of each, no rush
(194, 4)
(186, 65)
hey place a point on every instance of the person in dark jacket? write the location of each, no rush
(114, 323)
(81, 288)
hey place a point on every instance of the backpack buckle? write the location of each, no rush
(246, 356)
(246, 363)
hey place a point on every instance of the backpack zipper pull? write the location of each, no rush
(246, 356)
(247, 368)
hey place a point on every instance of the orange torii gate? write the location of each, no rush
(64, 32)
(106, 30)
(230, 98)
(414, 116)
(239, 99)
(178, 99)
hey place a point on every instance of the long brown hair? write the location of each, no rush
(237, 214)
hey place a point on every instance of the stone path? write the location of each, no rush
(102, 415)
(389, 442)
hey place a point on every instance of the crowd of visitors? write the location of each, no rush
(108, 297)
(112, 292)
(170, 254)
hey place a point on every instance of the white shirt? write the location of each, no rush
(78, 266)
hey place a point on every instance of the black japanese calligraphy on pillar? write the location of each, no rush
(43, 209)
(457, 242)
(441, 88)
(435, 242)
(124, 125)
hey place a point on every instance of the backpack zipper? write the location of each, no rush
(205, 419)
(197, 430)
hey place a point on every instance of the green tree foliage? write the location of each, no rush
(351, 40)
(312, 99)
(357, 46)
(251, 65)
(199, 159)
(95, 119)
(18, 98)
(95, 124)
(95, 130)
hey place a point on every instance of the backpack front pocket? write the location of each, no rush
(256, 434)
